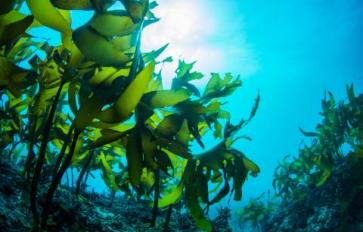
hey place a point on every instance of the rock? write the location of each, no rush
(91, 212)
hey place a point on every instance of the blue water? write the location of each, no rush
(291, 51)
(303, 48)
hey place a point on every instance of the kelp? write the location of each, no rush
(327, 168)
(14, 78)
(340, 130)
(95, 102)
(202, 169)
(256, 211)
(82, 4)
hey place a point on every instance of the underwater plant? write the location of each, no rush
(255, 212)
(95, 102)
(320, 188)
(339, 135)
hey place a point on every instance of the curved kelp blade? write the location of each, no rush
(130, 98)
(13, 30)
(164, 98)
(171, 197)
(197, 213)
(73, 4)
(101, 50)
(48, 15)
(113, 23)
(251, 166)
(134, 158)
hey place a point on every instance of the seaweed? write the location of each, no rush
(337, 137)
(95, 102)
(255, 212)
(323, 181)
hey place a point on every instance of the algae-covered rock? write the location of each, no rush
(335, 206)
(91, 212)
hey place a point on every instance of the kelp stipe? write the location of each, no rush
(118, 112)
(67, 74)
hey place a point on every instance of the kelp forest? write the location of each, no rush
(94, 107)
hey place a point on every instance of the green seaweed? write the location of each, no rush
(334, 148)
(255, 212)
(341, 126)
(95, 102)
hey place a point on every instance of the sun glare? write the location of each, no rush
(186, 26)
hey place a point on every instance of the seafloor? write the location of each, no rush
(321, 211)
(337, 206)
(91, 212)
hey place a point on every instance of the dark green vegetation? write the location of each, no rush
(321, 189)
(96, 103)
